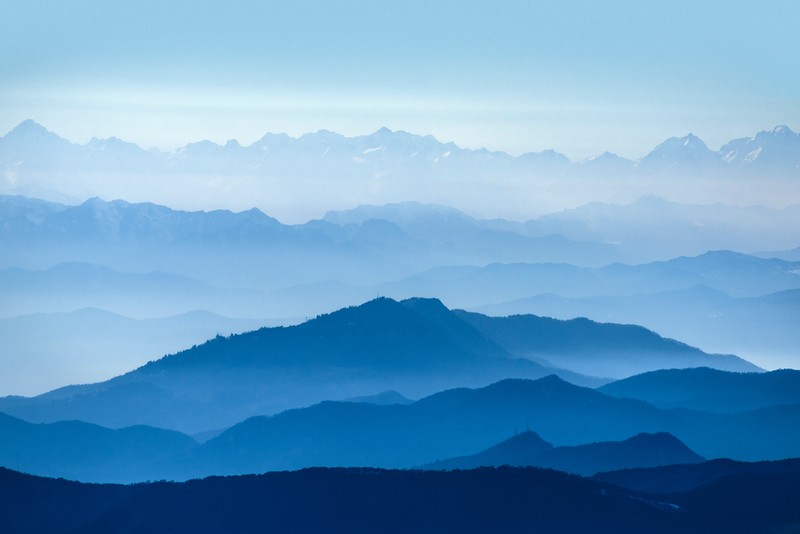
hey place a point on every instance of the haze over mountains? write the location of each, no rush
(150, 262)
(416, 347)
(388, 166)
(357, 338)
(379, 330)
(591, 431)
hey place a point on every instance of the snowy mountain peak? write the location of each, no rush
(693, 142)
(676, 148)
(783, 130)
(768, 150)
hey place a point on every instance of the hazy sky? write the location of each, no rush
(578, 76)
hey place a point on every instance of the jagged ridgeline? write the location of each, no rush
(38, 162)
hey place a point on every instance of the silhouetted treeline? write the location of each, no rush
(370, 500)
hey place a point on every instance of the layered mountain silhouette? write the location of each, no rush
(385, 167)
(449, 424)
(528, 449)
(147, 261)
(461, 421)
(416, 347)
(334, 391)
(262, 253)
(91, 453)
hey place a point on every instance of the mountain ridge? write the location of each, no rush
(415, 346)
(385, 167)
(366, 144)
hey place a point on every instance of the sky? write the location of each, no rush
(580, 77)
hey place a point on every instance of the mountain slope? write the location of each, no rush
(415, 347)
(710, 390)
(594, 348)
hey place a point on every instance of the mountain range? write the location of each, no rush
(773, 151)
(687, 242)
(416, 347)
(146, 261)
(460, 422)
(591, 431)
(383, 167)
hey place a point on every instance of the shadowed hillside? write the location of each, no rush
(710, 390)
(373, 500)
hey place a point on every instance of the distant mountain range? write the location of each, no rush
(149, 261)
(385, 166)
(733, 273)
(32, 145)
(257, 251)
(370, 244)
(416, 347)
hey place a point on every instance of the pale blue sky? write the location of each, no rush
(577, 76)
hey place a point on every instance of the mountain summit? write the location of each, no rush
(415, 346)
